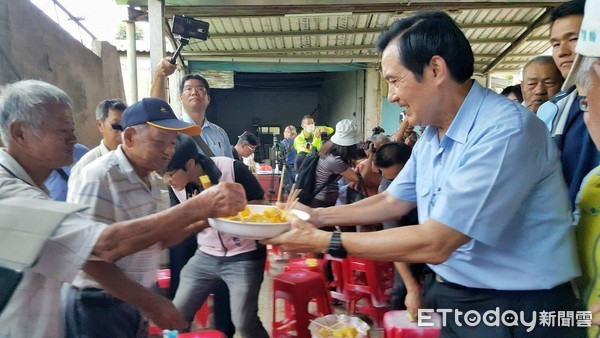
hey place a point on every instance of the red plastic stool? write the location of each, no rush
(370, 281)
(201, 316)
(397, 325)
(164, 278)
(336, 286)
(310, 264)
(202, 334)
(299, 287)
(154, 331)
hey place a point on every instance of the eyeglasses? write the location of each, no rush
(166, 175)
(583, 104)
(199, 90)
(251, 147)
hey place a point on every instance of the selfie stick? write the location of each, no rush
(182, 42)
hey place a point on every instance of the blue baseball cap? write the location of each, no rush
(156, 113)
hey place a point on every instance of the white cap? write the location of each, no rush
(346, 133)
(588, 43)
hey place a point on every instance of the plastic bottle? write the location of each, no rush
(170, 333)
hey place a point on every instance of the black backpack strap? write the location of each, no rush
(203, 146)
(318, 190)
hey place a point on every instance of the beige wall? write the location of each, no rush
(342, 97)
(32, 46)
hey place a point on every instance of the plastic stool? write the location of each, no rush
(368, 280)
(336, 286)
(299, 287)
(164, 278)
(310, 264)
(201, 316)
(203, 334)
(397, 325)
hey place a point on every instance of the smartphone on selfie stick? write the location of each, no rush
(188, 28)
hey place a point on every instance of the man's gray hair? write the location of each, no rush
(27, 102)
(139, 128)
(543, 60)
(583, 73)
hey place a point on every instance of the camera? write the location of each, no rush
(364, 145)
(190, 28)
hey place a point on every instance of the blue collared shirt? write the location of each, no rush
(495, 177)
(215, 137)
(55, 183)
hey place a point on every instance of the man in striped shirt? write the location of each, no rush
(118, 187)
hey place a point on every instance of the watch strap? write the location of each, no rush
(335, 246)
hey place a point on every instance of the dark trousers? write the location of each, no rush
(423, 275)
(451, 296)
(178, 257)
(94, 313)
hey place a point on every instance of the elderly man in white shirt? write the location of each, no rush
(37, 128)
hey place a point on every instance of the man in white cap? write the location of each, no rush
(37, 129)
(586, 73)
(117, 187)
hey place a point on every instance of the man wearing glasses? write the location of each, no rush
(245, 146)
(108, 113)
(195, 98)
(213, 141)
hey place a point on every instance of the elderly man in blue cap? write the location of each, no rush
(117, 187)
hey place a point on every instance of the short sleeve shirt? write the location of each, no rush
(329, 166)
(114, 193)
(35, 308)
(495, 176)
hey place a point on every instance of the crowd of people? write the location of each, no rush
(491, 205)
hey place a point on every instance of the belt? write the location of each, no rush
(442, 280)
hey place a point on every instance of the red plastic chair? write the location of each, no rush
(397, 325)
(203, 334)
(298, 287)
(371, 282)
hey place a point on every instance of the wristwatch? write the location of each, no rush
(335, 246)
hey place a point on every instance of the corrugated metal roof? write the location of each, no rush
(503, 34)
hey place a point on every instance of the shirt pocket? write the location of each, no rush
(423, 191)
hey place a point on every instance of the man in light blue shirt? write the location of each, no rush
(195, 98)
(495, 221)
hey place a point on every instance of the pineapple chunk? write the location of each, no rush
(205, 181)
